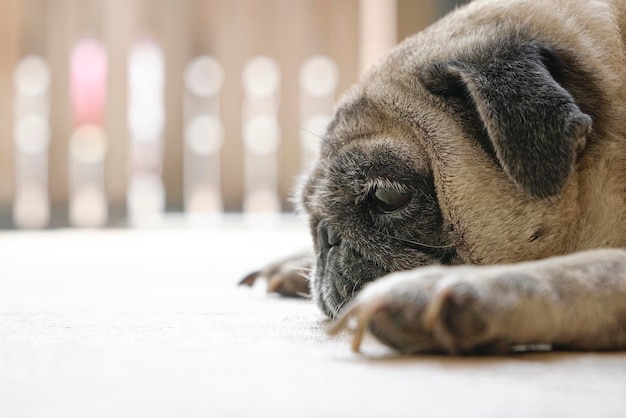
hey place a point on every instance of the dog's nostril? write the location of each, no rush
(327, 236)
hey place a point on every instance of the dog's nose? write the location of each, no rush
(326, 236)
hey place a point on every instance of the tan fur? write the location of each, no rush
(591, 212)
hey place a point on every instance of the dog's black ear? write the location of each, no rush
(533, 123)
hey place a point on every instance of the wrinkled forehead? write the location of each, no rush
(367, 131)
(358, 116)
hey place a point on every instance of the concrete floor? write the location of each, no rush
(150, 323)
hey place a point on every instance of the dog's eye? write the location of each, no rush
(389, 200)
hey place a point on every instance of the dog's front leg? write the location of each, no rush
(287, 277)
(575, 302)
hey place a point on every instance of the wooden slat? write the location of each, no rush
(174, 32)
(117, 31)
(415, 15)
(10, 13)
(58, 34)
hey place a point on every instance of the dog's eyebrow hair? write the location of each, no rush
(386, 183)
(363, 190)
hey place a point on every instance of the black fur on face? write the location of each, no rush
(357, 237)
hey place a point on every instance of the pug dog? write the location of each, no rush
(470, 195)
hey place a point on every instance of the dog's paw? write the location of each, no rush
(287, 277)
(432, 309)
(459, 320)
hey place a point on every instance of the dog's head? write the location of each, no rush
(454, 149)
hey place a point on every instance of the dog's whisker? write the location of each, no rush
(358, 282)
(416, 243)
(342, 304)
(318, 136)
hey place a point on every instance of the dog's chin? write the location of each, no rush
(336, 282)
(332, 293)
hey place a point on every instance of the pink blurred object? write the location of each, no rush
(88, 79)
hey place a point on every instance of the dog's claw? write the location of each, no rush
(250, 279)
(432, 313)
(362, 313)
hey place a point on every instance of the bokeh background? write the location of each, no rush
(121, 112)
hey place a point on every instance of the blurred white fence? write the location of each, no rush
(115, 112)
